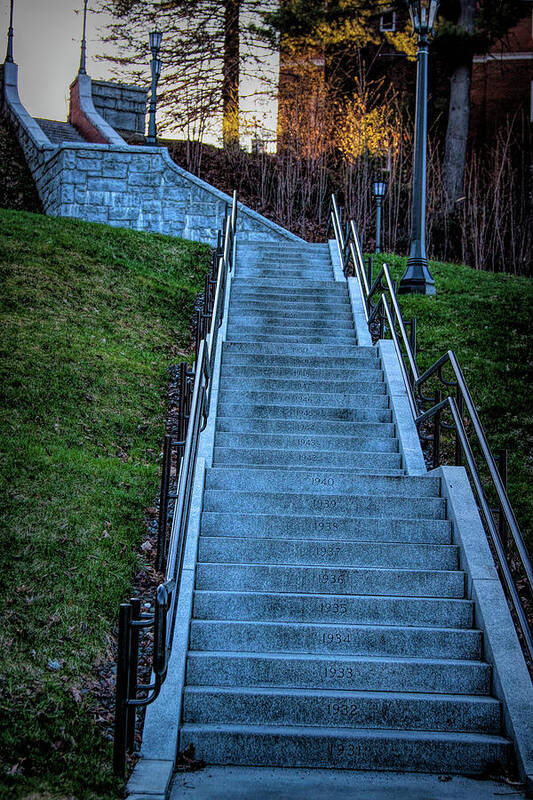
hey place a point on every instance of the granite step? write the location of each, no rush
(350, 400)
(249, 299)
(249, 334)
(304, 315)
(421, 751)
(280, 383)
(330, 639)
(313, 483)
(300, 356)
(324, 505)
(248, 290)
(295, 442)
(331, 580)
(324, 427)
(332, 328)
(355, 609)
(327, 708)
(237, 410)
(334, 552)
(374, 462)
(384, 529)
(364, 673)
(327, 374)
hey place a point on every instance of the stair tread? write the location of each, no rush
(378, 733)
(348, 694)
(375, 659)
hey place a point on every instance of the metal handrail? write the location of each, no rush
(487, 514)
(503, 499)
(131, 621)
(350, 253)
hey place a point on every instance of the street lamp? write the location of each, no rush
(155, 45)
(9, 56)
(380, 187)
(417, 278)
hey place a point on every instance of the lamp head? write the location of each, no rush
(155, 40)
(423, 14)
(380, 188)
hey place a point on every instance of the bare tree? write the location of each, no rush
(230, 86)
(459, 111)
(205, 44)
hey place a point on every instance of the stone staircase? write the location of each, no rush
(59, 132)
(330, 626)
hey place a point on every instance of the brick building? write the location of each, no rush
(502, 80)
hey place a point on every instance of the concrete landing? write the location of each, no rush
(263, 783)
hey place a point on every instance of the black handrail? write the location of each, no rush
(195, 395)
(386, 311)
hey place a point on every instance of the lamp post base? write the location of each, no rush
(417, 278)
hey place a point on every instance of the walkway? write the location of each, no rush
(253, 783)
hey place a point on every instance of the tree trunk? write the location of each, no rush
(230, 85)
(459, 114)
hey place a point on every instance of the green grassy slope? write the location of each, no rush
(91, 319)
(486, 319)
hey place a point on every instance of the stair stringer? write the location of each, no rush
(511, 682)
(153, 771)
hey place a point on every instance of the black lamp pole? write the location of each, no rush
(9, 56)
(380, 187)
(417, 278)
(83, 56)
(155, 44)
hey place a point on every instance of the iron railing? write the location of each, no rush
(383, 315)
(195, 395)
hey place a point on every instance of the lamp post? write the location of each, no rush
(417, 278)
(155, 44)
(9, 56)
(83, 57)
(380, 187)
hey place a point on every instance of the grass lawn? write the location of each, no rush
(92, 317)
(487, 320)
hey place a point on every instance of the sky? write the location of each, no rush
(47, 51)
(47, 36)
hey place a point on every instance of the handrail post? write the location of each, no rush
(163, 502)
(132, 678)
(412, 337)
(121, 691)
(436, 432)
(458, 449)
(503, 464)
(337, 229)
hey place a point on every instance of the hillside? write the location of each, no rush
(92, 317)
(486, 319)
(17, 187)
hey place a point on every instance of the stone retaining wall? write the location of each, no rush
(127, 186)
(123, 107)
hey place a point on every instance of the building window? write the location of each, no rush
(387, 21)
